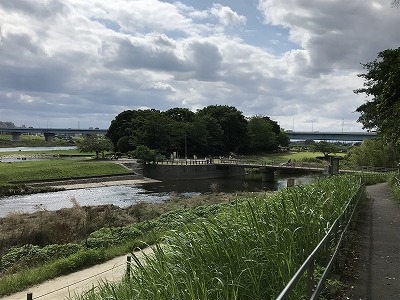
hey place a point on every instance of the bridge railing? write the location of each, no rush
(369, 169)
(329, 248)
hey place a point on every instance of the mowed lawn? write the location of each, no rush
(56, 169)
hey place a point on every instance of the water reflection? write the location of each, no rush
(126, 195)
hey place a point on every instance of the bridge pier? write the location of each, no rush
(15, 136)
(49, 137)
(267, 174)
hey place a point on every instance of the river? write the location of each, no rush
(126, 195)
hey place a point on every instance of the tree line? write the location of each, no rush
(215, 130)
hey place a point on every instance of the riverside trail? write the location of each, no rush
(75, 283)
(377, 268)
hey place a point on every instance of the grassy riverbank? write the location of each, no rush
(55, 169)
(30, 141)
(54, 243)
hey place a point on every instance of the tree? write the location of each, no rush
(374, 153)
(326, 148)
(232, 123)
(120, 126)
(145, 154)
(283, 139)
(261, 135)
(382, 82)
(95, 143)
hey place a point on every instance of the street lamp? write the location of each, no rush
(342, 123)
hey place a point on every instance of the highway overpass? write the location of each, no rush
(331, 136)
(49, 133)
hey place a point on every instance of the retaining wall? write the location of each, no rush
(181, 172)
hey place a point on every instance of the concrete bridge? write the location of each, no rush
(181, 169)
(331, 136)
(49, 133)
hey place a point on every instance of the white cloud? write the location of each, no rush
(227, 16)
(92, 59)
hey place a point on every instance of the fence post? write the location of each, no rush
(128, 266)
(29, 296)
(310, 278)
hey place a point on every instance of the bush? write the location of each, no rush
(107, 237)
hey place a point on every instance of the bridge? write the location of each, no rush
(49, 133)
(331, 136)
(181, 169)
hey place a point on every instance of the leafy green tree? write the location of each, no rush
(231, 122)
(283, 139)
(95, 143)
(261, 135)
(180, 114)
(145, 155)
(374, 153)
(124, 144)
(325, 147)
(120, 126)
(382, 82)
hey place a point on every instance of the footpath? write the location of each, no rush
(377, 267)
(65, 287)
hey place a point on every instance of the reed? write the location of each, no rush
(249, 250)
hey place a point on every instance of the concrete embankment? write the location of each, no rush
(182, 172)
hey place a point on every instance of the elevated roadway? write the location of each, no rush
(49, 133)
(331, 136)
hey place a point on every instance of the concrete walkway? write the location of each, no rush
(377, 268)
(76, 283)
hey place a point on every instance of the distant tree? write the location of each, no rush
(95, 143)
(325, 147)
(262, 138)
(121, 126)
(382, 82)
(283, 139)
(180, 114)
(7, 124)
(145, 155)
(124, 144)
(374, 153)
(231, 122)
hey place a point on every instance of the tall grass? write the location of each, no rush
(249, 250)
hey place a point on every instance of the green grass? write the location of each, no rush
(249, 250)
(55, 169)
(29, 141)
(284, 157)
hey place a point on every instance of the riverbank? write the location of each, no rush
(92, 182)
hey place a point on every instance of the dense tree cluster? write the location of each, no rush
(374, 153)
(213, 130)
(382, 83)
(7, 124)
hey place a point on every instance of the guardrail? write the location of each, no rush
(369, 169)
(335, 234)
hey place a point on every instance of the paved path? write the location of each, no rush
(378, 266)
(65, 286)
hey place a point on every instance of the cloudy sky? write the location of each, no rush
(74, 63)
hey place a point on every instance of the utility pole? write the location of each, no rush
(185, 146)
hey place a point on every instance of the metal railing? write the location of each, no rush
(336, 234)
